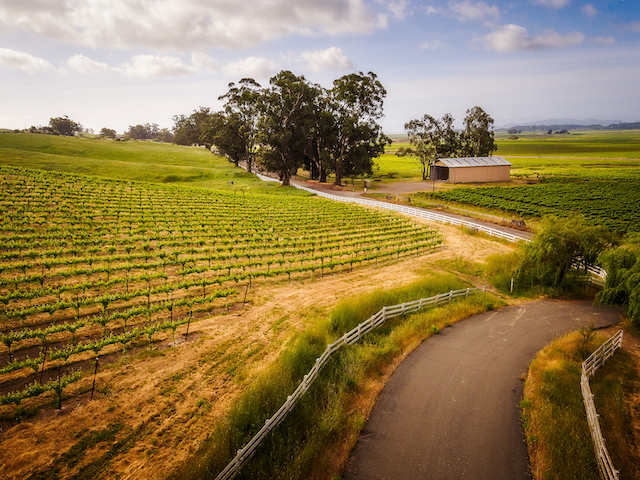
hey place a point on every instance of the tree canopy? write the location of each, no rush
(558, 248)
(64, 126)
(294, 123)
(622, 286)
(431, 139)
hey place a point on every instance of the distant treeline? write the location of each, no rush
(546, 128)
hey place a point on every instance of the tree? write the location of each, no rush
(189, 130)
(225, 133)
(64, 126)
(165, 135)
(622, 286)
(424, 136)
(477, 136)
(357, 100)
(243, 112)
(561, 247)
(321, 136)
(107, 133)
(431, 139)
(286, 109)
(147, 131)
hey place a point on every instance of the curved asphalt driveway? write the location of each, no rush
(451, 409)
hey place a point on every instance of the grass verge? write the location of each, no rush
(315, 439)
(554, 418)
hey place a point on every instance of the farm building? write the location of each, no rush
(471, 169)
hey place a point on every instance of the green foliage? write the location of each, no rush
(64, 126)
(353, 311)
(622, 286)
(477, 136)
(554, 417)
(138, 161)
(329, 413)
(554, 256)
(599, 201)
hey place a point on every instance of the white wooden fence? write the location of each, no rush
(348, 338)
(418, 212)
(589, 367)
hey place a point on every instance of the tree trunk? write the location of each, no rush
(338, 180)
(323, 174)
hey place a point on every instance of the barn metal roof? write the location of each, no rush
(473, 162)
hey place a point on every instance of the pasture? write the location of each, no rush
(595, 175)
(132, 160)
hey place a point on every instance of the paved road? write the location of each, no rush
(451, 409)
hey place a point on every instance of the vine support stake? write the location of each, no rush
(95, 373)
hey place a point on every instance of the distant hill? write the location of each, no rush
(578, 125)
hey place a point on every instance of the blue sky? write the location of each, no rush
(115, 63)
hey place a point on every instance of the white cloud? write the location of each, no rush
(330, 59)
(201, 60)
(470, 10)
(16, 60)
(155, 66)
(254, 67)
(137, 66)
(589, 11)
(513, 38)
(431, 10)
(437, 45)
(603, 40)
(86, 66)
(187, 24)
(554, 4)
(398, 8)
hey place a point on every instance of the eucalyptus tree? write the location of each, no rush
(424, 136)
(188, 130)
(286, 112)
(431, 139)
(477, 136)
(242, 113)
(357, 104)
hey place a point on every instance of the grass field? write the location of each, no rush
(595, 175)
(131, 160)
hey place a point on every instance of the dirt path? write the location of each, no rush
(451, 409)
(169, 398)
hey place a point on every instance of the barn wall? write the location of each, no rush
(497, 173)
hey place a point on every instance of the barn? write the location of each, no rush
(471, 169)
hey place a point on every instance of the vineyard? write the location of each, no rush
(610, 202)
(92, 267)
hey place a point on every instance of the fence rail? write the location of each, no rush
(418, 212)
(589, 368)
(349, 338)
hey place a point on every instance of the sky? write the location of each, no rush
(116, 63)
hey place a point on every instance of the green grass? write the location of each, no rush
(555, 423)
(131, 160)
(330, 414)
(604, 149)
(605, 144)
